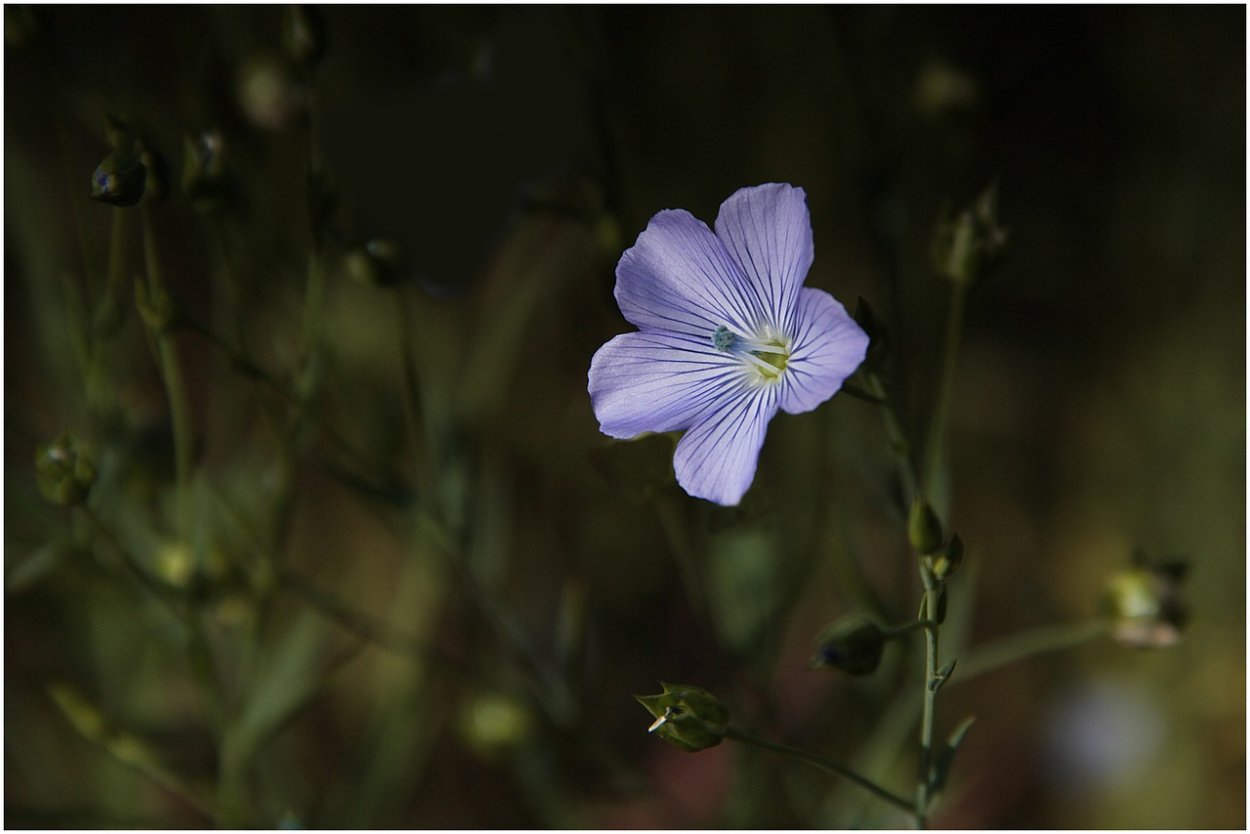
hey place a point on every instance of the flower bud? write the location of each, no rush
(1144, 605)
(203, 171)
(378, 263)
(270, 94)
(967, 245)
(495, 723)
(687, 716)
(924, 530)
(119, 180)
(853, 644)
(65, 473)
(947, 560)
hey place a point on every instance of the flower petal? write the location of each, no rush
(716, 459)
(642, 382)
(828, 347)
(769, 232)
(678, 277)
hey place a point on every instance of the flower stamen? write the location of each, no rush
(768, 357)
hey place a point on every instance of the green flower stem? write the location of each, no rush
(175, 389)
(908, 628)
(924, 783)
(860, 394)
(899, 445)
(233, 295)
(117, 256)
(823, 764)
(1027, 644)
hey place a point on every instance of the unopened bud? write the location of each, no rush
(378, 263)
(270, 94)
(495, 723)
(853, 644)
(947, 560)
(924, 530)
(687, 716)
(1144, 606)
(119, 180)
(65, 473)
(966, 245)
(203, 170)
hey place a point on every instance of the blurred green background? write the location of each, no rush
(414, 586)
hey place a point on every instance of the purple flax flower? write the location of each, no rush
(727, 335)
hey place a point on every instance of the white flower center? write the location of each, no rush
(765, 354)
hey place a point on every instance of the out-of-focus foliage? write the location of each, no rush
(404, 581)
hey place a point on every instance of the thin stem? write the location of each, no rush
(899, 445)
(823, 764)
(941, 405)
(924, 783)
(1027, 644)
(175, 389)
(860, 394)
(907, 628)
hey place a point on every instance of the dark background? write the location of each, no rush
(472, 580)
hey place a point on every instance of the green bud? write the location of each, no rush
(687, 716)
(968, 244)
(203, 171)
(947, 560)
(1144, 607)
(495, 723)
(924, 530)
(303, 35)
(119, 180)
(270, 94)
(853, 644)
(64, 471)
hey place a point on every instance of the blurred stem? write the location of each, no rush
(199, 656)
(231, 283)
(370, 629)
(314, 306)
(677, 534)
(900, 447)
(1027, 644)
(412, 383)
(117, 258)
(934, 443)
(822, 763)
(860, 394)
(171, 374)
(128, 749)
